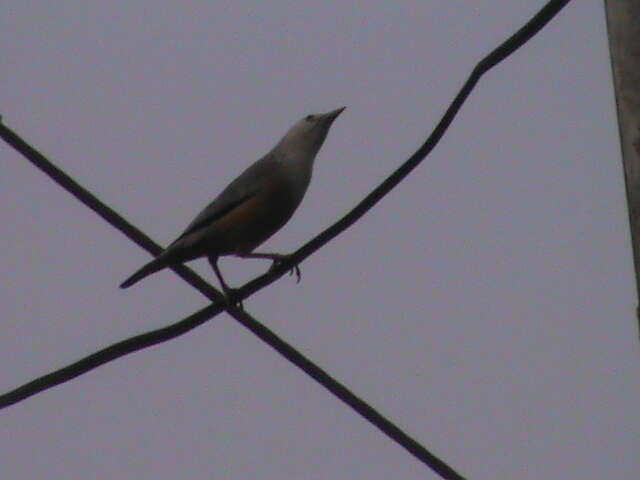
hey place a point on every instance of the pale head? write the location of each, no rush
(305, 137)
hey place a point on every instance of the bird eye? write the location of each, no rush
(309, 118)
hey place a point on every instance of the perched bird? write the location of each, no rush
(252, 207)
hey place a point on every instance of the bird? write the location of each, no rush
(254, 206)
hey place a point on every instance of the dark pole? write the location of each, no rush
(624, 44)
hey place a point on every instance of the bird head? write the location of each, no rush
(305, 137)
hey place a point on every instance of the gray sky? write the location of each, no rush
(486, 305)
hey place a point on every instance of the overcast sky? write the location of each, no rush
(486, 305)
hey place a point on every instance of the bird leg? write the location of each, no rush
(228, 291)
(277, 259)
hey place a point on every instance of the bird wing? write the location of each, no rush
(247, 185)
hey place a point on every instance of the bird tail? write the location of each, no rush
(152, 267)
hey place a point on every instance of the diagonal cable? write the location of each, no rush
(160, 335)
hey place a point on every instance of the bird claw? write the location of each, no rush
(298, 273)
(277, 261)
(230, 298)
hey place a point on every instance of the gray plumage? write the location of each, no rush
(252, 207)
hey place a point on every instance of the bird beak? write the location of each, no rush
(331, 116)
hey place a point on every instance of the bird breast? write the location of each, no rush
(260, 216)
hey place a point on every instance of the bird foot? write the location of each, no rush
(279, 259)
(230, 295)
